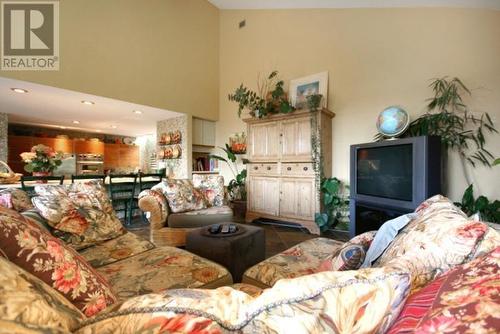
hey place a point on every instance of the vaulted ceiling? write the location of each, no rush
(283, 4)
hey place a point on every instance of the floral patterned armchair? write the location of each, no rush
(177, 206)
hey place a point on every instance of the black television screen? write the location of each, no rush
(386, 171)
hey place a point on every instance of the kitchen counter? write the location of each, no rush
(66, 181)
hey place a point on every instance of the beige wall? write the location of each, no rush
(375, 58)
(162, 53)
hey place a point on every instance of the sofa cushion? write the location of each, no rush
(490, 241)
(126, 245)
(27, 300)
(302, 259)
(365, 301)
(35, 217)
(14, 198)
(16, 327)
(351, 255)
(81, 213)
(46, 257)
(181, 195)
(469, 299)
(212, 188)
(416, 307)
(438, 239)
(160, 269)
(200, 218)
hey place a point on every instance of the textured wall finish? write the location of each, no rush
(147, 150)
(4, 122)
(181, 168)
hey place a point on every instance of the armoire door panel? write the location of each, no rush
(306, 201)
(303, 142)
(296, 139)
(288, 138)
(263, 195)
(288, 195)
(264, 141)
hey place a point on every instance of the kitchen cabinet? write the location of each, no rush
(89, 147)
(203, 132)
(121, 156)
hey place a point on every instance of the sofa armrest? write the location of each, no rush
(155, 203)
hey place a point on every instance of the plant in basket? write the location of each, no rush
(41, 160)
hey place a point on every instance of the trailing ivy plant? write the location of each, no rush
(488, 210)
(449, 118)
(271, 97)
(335, 203)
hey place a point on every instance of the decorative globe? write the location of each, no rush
(392, 121)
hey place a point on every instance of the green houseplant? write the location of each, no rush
(335, 203)
(41, 160)
(237, 186)
(447, 116)
(488, 210)
(271, 97)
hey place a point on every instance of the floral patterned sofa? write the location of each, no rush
(131, 265)
(440, 274)
(177, 206)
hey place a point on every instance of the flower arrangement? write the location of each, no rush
(41, 159)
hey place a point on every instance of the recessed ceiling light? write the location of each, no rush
(89, 103)
(138, 112)
(76, 122)
(113, 126)
(19, 90)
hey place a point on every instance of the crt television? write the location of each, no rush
(397, 174)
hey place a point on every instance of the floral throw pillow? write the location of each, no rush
(351, 255)
(28, 301)
(212, 187)
(44, 256)
(16, 199)
(81, 214)
(469, 299)
(181, 195)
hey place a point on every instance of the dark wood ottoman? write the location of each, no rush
(237, 252)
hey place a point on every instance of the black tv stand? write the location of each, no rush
(370, 216)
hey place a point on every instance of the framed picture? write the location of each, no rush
(313, 84)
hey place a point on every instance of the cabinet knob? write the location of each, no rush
(305, 168)
(256, 168)
(268, 168)
(289, 168)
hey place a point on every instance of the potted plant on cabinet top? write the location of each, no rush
(237, 186)
(41, 160)
(271, 97)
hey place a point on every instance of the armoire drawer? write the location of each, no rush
(297, 169)
(264, 169)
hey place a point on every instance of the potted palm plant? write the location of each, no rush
(237, 186)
